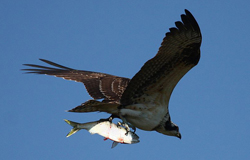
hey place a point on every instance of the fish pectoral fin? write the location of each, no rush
(105, 139)
(114, 144)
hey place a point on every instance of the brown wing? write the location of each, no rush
(179, 52)
(99, 85)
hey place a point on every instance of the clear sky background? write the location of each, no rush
(210, 104)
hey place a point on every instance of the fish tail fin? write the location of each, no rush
(74, 125)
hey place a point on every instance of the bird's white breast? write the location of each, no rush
(144, 116)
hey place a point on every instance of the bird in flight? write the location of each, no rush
(142, 101)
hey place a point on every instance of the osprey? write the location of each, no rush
(143, 100)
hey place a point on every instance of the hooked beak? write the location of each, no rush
(179, 136)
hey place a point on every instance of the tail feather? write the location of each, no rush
(96, 106)
(74, 125)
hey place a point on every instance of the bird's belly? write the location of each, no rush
(143, 123)
(145, 117)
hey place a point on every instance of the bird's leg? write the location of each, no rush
(123, 112)
(131, 126)
(126, 124)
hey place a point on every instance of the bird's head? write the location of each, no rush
(169, 128)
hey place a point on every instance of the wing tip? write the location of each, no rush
(190, 18)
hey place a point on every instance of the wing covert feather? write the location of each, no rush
(99, 85)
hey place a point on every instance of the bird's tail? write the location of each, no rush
(96, 106)
(74, 125)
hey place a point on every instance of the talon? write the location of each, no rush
(119, 124)
(134, 128)
(110, 119)
(126, 133)
(127, 125)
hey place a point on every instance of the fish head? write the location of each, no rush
(131, 138)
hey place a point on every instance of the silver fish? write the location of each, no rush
(114, 132)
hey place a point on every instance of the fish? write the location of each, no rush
(107, 129)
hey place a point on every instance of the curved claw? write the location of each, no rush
(134, 128)
(119, 124)
(126, 124)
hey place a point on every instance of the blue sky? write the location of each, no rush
(210, 104)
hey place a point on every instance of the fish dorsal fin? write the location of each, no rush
(114, 144)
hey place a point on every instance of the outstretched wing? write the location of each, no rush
(99, 85)
(179, 52)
